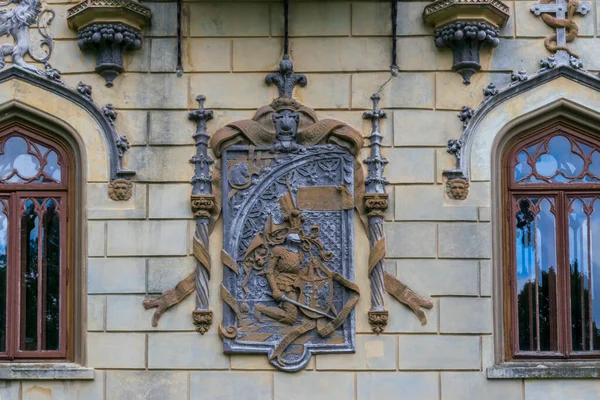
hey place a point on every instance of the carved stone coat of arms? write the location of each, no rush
(288, 196)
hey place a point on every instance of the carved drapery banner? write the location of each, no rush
(289, 191)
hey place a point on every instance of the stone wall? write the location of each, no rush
(439, 247)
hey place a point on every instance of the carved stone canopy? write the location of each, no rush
(109, 28)
(465, 26)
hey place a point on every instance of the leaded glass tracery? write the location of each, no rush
(553, 190)
(33, 249)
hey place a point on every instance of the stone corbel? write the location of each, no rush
(465, 26)
(109, 28)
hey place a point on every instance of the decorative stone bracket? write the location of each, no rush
(109, 28)
(465, 26)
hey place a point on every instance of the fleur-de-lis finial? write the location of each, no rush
(286, 79)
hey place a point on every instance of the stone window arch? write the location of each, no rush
(551, 228)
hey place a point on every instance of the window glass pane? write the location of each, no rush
(29, 276)
(535, 261)
(3, 271)
(584, 235)
(557, 159)
(23, 161)
(51, 277)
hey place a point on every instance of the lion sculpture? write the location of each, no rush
(15, 22)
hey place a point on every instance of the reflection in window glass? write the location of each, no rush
(584, 234)
(23, 161)
(51, 278)
(536, 274)
(29, 276)
(3, 273)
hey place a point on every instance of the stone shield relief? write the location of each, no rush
(288, 229)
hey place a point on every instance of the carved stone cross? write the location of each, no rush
(562, 23)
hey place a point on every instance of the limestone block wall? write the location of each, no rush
(440, 247)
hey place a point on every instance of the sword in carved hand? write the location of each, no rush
(284, 298)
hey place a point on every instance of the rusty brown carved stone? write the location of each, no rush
(202, 320)
(202, 204)
(120, 189)
(376, 204)
(378, 321)
(457, 188)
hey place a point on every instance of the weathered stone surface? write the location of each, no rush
(401, 385)
(410, 239)
(162, 59)
(419, 86)
(207, 55)
(173, 161)
(371, 19)
(340, 54)
(57, 390)
(435, 352)
(426, 202)
(421, 54)
(403, 320)
(410, 165)
(186, 351)
(562, 389)
(424, 127)
(95, 313)
(146, 385)
(102, 273)
(410, 20)
(314, 386)
(452, 94)
(96, 238)
(256, 54)
(486, 278)
(314, 18)
(170, 201)
(466, 385)
(221, 19)
(440, 277)
(116, 350)
(230, 385)
(9, 390)
(160, 238)
(485, 214)
(530, 25)
(464, 315)
(163, 23)
(513, 54)
(462, 240)
(165, 272)
(224, 90)
(372, 353)
(326, 91)
(139, 60)
(124, 313)
(71, 59)
(100, 206)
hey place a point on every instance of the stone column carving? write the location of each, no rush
(203, 203)
(465, 26)
(109, 28)
(376, 202)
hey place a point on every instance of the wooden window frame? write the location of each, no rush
(16, 193)
(561, 192)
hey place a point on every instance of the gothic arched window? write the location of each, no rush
(34, 255)
(552, 244)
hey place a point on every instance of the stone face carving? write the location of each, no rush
(120, 189)
(457, 188)
(109, 28)
(15, 22)
(288, 194)
(465, 26)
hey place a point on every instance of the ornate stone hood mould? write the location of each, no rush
(109, 28)
(465, 26)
